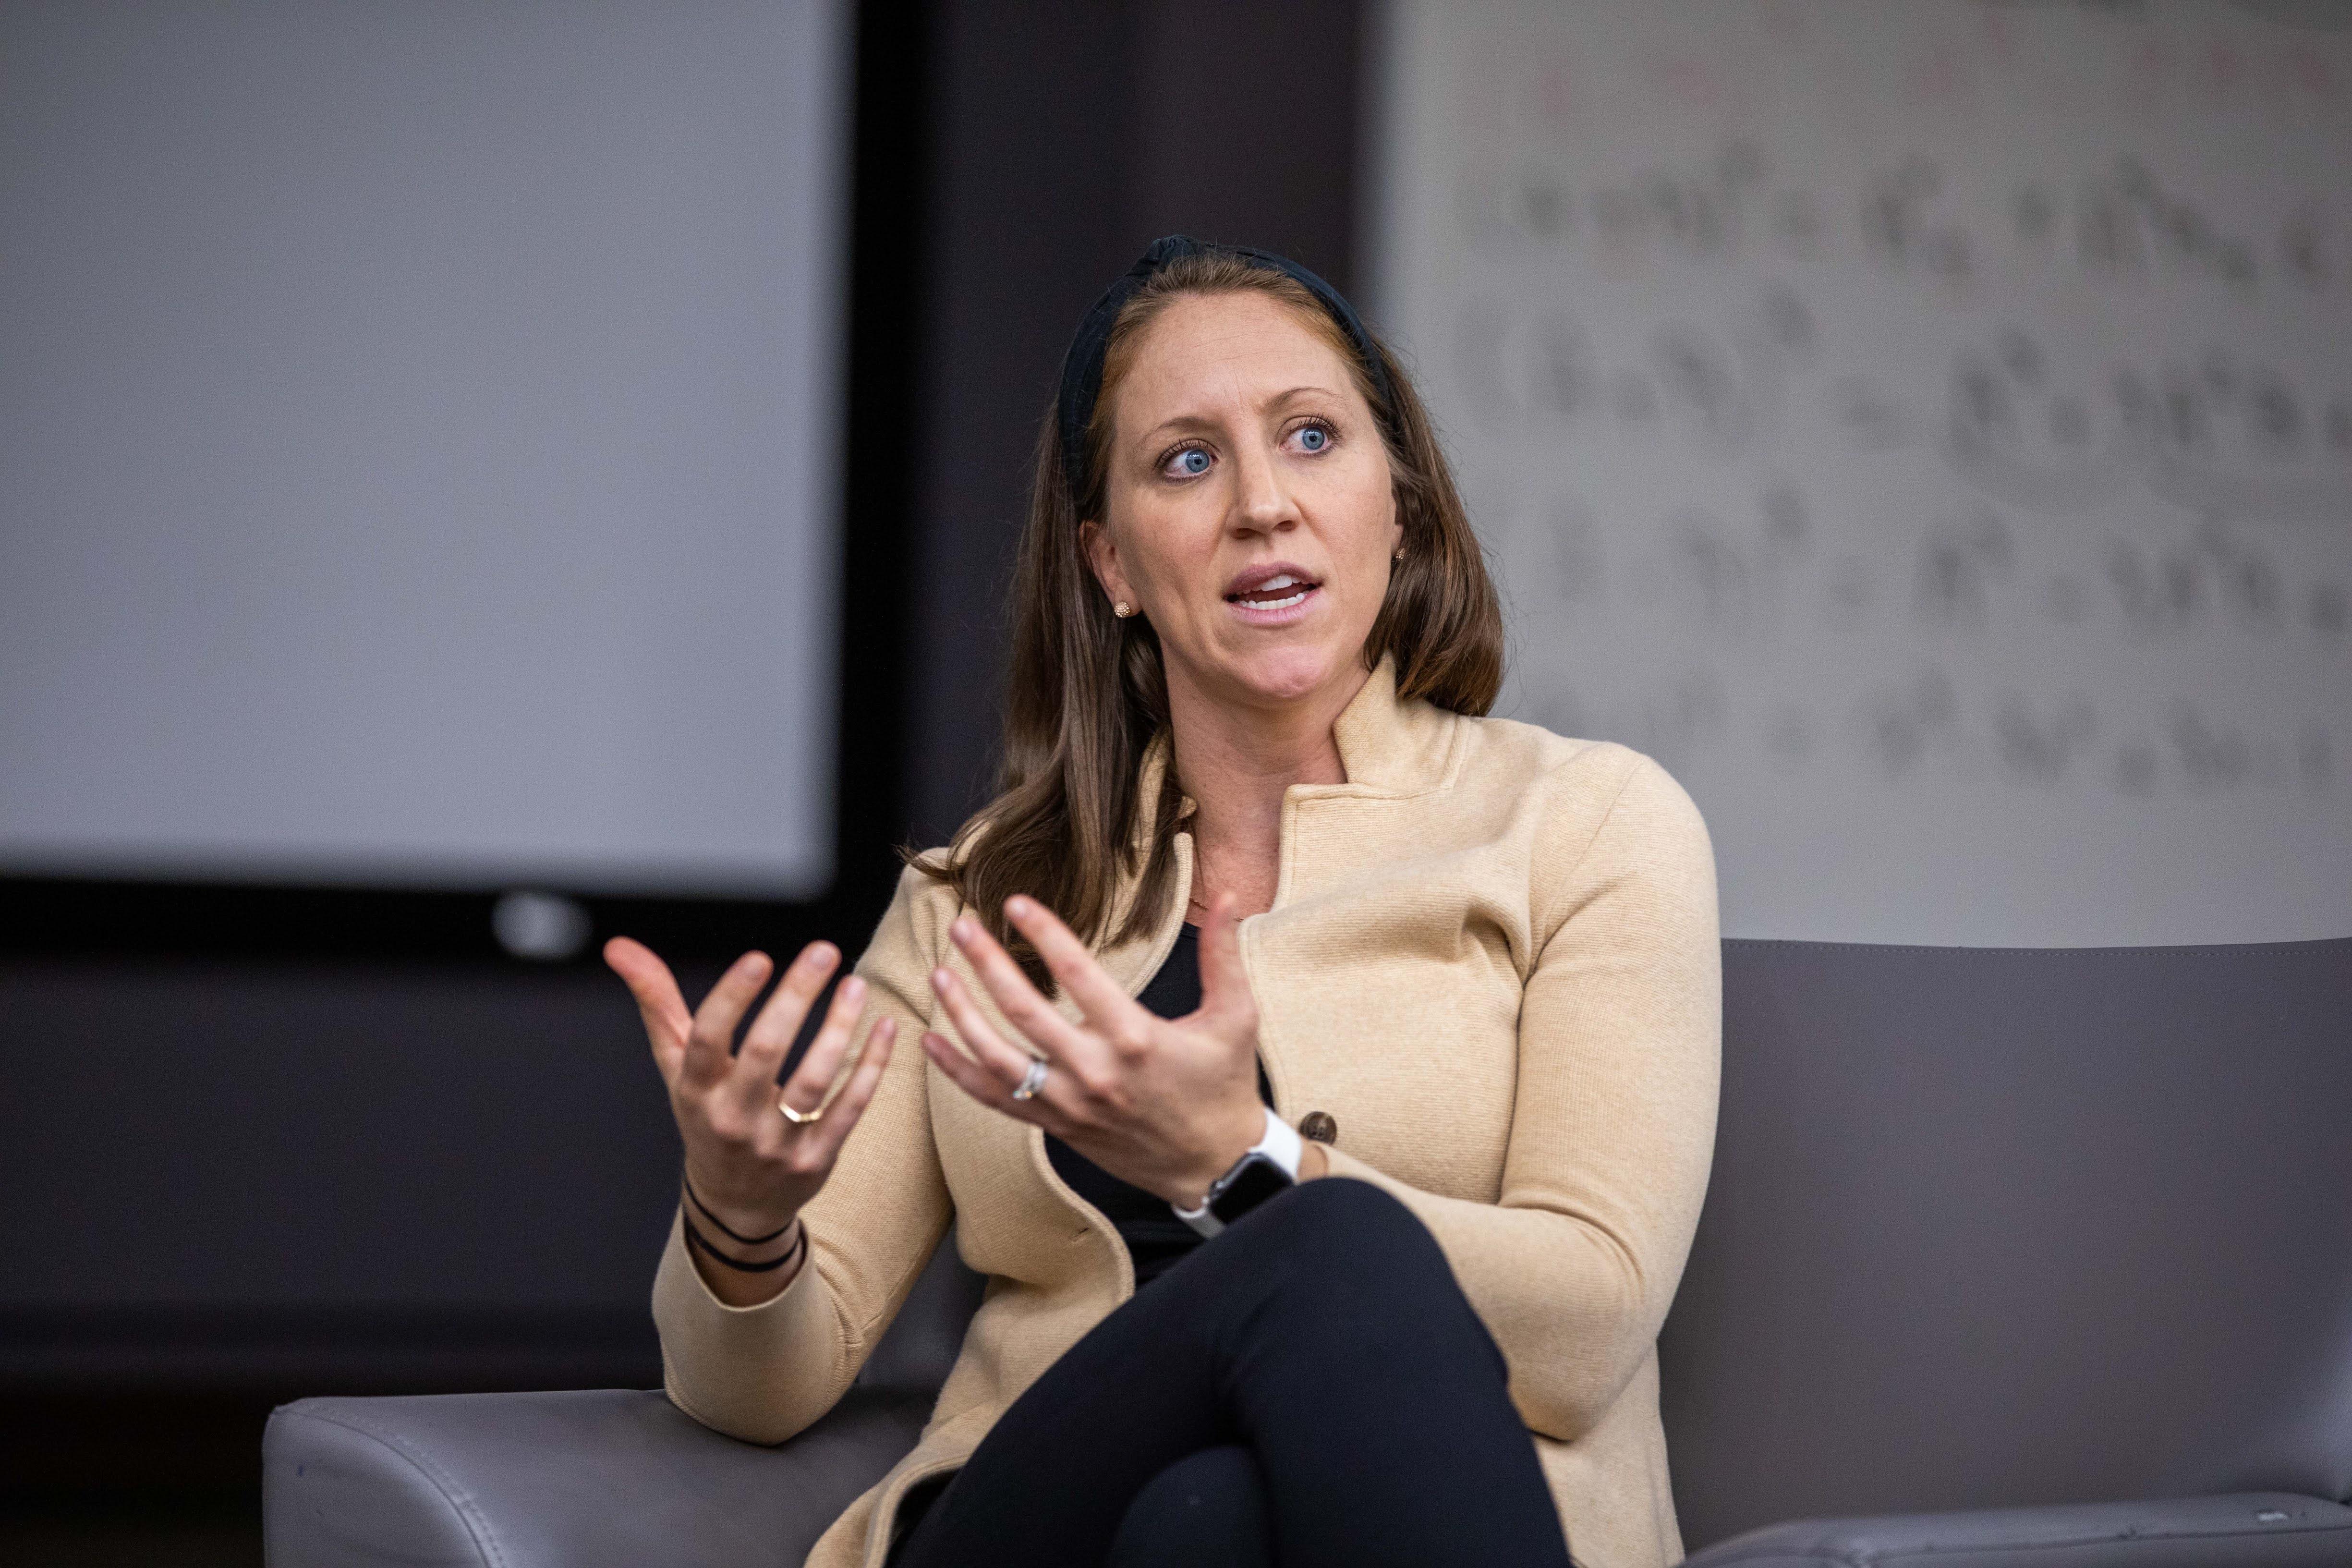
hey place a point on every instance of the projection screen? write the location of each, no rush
(419, 442)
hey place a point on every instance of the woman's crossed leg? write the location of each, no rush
(1312, 1379)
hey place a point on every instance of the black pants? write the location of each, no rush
(1309, 1388)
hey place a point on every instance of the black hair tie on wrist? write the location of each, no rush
(734, 1236)
(1081, 367)
(702, 1244)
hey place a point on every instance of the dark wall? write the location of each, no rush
(334, 1150)
(1068, 137)
(279, 1165)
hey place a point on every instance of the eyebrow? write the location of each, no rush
(1191, 421)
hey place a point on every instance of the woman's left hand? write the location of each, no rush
(1168, 1104)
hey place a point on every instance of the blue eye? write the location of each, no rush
(1314, 439)
(1192, 461)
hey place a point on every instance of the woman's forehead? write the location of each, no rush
(1225, 348)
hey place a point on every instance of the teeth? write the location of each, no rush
(1280, 580)
(1297, 598)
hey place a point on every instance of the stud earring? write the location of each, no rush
(1122, 609)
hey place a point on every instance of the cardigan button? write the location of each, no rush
(1318, 1127)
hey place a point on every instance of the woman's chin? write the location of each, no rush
(1278, 676)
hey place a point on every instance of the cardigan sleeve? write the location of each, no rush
(1614, 1124)
(766, 1372)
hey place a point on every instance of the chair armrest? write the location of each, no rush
(603, 1479)
(2244, 1530)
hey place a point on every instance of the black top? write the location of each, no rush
(1156, 1239)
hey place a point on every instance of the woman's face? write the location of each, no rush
(1249, 511)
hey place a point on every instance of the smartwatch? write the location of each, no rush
(1269, 1168)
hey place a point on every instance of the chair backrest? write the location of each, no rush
(1995, 1228)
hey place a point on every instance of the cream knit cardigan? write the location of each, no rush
(1492, 958)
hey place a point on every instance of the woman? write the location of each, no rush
(1279, 877)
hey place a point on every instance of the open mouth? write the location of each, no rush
(1280, 592)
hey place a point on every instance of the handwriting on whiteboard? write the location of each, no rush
(1967, 398)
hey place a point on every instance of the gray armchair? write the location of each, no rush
(596, 1479)
(2035, 1260)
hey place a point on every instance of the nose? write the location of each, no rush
(1262, 500)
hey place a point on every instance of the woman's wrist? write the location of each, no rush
(767, 1258)
(1228, 1152)
(740, 1227)
(740, 1267)
(1312, 1163)
(728, 1240)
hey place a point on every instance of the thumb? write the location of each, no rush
(1225, 997)
(657, 997)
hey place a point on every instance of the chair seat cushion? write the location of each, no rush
(2246, 1530)
(598, 1479)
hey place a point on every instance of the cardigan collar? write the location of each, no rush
(1391, 746)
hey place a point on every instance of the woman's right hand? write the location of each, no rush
(750, 1166)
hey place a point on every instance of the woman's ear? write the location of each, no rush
(1102, 555)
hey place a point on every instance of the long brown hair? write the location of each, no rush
(1086, 694)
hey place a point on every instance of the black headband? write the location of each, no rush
(1081, 367)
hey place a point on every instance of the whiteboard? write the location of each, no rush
(1926, 428)
(419, 436)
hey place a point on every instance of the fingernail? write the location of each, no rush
(939, 980)
(852, 988)
(965, 928)
(1017, 906)
(823, 953)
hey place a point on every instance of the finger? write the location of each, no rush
(979, 1082)
(965, 1073)
(710, 1043)
(659, 1001)
(1021, 1002)
(1103, 1000)
(770, 1039)
(1225, 981)
(1007, 1066)
(805, 1090)
(859, 1092)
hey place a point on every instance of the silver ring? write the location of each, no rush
(1033, 1080)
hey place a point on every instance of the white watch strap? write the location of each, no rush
(1281, 1143)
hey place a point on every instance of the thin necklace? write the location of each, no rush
(1199, 898)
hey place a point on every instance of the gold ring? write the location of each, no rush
(798, 1118)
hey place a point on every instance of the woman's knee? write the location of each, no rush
(1342, 1240)
(1340, 1227)
(1209, 1507)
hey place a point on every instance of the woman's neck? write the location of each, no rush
(1235, 762)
